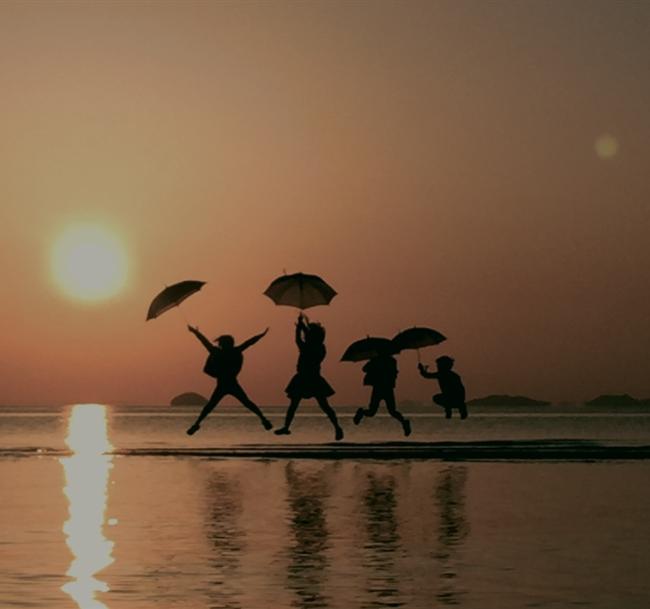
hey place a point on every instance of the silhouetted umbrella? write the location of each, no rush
(416, 338)
(172, 296)
(300, 290)
(367, 348)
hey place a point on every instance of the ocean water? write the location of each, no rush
(105, 508)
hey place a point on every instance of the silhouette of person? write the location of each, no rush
(225, 362)
(308, 382)
(381, 374)
(452, 390)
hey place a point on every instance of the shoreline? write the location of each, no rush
(494, 450)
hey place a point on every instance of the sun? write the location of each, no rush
(89, 262)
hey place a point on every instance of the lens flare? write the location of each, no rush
(87, 473)
(606, 146)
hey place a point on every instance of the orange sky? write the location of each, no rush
(434, 161)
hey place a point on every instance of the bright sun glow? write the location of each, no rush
(87, 473)
(89, 262)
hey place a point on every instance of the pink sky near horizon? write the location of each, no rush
(434, 161)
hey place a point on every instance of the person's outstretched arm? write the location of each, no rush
(425, 372)
(252, 340)
(204, 341)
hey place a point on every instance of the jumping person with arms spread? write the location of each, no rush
(224, 363)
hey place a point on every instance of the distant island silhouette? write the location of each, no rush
(622, 399)
(190, 398)
(507, 400)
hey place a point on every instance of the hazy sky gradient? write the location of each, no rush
(434, 161)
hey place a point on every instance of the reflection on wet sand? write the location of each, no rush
(453, 528)
(379, 503)
(227, 538)
(308, 560)
(87, 475)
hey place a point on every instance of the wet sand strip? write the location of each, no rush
(560, 450)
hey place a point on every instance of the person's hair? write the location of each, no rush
(444, 361)
(225, 340)
(315, 332)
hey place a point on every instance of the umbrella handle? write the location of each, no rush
(418, 352)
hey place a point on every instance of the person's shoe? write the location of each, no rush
(267, 424)
(339, 434)
(283, 431)
(463, 416)
(406, 424)
(192, 430)
(358, 415)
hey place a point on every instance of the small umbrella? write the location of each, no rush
(172, 296)
(416, 338)
(300, 290)
(367, 348)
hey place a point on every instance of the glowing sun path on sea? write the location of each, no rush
(87, 473)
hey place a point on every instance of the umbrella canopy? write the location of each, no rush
(416, 338)
(172, 296)
(367, 348)
(300, 290)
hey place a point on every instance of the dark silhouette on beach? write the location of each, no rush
(308, 382)
(224, 363)
(381, 374)
(452, 390)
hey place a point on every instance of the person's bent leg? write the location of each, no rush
(331, 415)
(215, 398)
(441, 400)
(291, 412)
(462, 409)
(392, 407)
(396, 414)
(371, 411)
(238, 392)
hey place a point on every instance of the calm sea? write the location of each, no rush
(114, 507)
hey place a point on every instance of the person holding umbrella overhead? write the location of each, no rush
(380, 374)
(225, 362)
(302, 291)
(308, 382)
(452, 390)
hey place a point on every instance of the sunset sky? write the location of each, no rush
(478, 167)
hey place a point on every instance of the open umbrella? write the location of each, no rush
(367, 348)
(300, 290)
(172, 296)
(416, 338)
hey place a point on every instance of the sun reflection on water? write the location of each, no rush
(87, 473)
